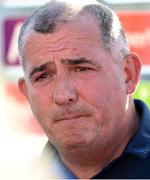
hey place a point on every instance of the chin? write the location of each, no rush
(71, 142)
(71, 136)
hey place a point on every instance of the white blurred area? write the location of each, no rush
(18, 3)
(126, 1)
(21, 138)
(20, 142)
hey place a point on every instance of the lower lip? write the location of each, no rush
(73, 118)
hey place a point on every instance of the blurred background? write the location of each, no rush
(21, 138)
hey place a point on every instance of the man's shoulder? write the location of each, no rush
(141, 108)
(140, 143)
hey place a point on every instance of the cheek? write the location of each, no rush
(103, 92)
(39, 94)
(40, 100)
(41, 107)
(108, 101)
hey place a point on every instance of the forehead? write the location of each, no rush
(84, 25)
(81, 35)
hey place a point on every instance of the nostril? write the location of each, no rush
(63, 96)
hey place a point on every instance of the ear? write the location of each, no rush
(22, 87)
(132, 69)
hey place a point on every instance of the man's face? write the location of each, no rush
(76, 89)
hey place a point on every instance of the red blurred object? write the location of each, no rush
(13, 91)
(24, 122)
(137, 28)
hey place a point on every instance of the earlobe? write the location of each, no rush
(132, 69)
(22, 87)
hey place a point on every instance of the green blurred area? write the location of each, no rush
(143, 91)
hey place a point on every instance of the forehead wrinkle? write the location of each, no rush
(75, 61)
(55, 41)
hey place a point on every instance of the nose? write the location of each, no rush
(64, 93)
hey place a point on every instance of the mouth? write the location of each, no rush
(72, 117)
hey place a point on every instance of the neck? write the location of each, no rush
(86, 162)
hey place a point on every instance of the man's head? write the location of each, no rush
(79, 75)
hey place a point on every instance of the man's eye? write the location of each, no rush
(41, 77)
(80, 69)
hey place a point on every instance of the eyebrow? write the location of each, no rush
(39, 68)
(64, 61)
(76, 61)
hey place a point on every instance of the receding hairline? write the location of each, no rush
(80, 18)
(29, 26)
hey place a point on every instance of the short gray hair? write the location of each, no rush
(47, 17)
